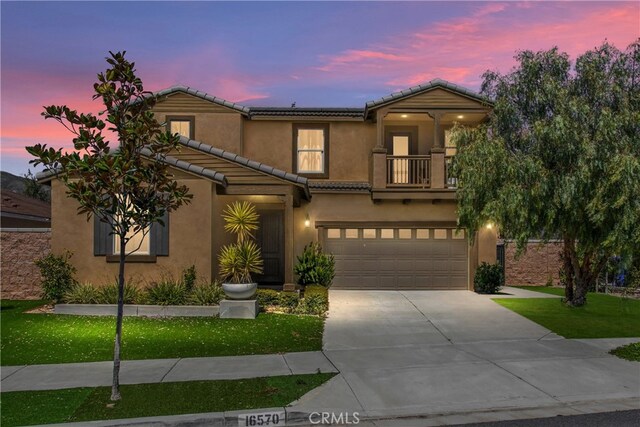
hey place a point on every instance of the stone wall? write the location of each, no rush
(536, 266)
(19, 277)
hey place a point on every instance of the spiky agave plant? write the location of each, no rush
(239, 260)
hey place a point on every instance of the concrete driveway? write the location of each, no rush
(428, 353)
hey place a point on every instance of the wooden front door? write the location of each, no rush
(270, 238)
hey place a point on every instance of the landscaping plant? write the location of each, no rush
(189, 277)
(57, 275)
(558, 158)
(167, 292)
(125, 184)
(108, 294)
(84, 293)
(489, 278)
(242, 258)
(314, 266)
(206, 294)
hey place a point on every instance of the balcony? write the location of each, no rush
(413, 177)
(409, 171)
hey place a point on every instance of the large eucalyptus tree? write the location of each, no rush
(559, 158)
(126, 185)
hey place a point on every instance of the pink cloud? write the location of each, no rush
(462, 48)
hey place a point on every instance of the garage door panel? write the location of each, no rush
(399, 263)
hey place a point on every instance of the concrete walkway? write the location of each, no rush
(69, 375)
(406, 354)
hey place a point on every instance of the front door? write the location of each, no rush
(270, 238)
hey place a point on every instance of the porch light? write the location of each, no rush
(489, 225)
(307, 221)
(404, 116)
(461, 117)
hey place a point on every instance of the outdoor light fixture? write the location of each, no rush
(489, 226)
(461, 117)
(404, 116)
(307, 221)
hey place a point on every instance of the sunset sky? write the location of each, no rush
(325, 54)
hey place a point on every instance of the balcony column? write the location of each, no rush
(379, 154)
(438, 171)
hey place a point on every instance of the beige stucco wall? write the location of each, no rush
(269, 142)
(189, 239)
(222, 130)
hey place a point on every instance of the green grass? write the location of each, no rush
(48, 338)
(629, 352)
(604, 316)
(153, 400)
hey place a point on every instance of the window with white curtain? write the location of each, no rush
(310, 150)
(138, 244)
(182, 125)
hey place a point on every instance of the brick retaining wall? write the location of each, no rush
(533, 267)
(19, 277)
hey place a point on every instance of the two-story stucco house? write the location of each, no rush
(371, 184)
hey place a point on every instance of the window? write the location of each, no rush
(139, 243)
(333, 233)
(458, 234)
(351, 233)
(182, 125)
(386, 233)
(440, 233)
(422, 233)
(311, 143)
(404, 233)
(369, 233)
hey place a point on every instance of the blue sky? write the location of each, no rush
(274, 53)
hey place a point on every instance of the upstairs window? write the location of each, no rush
(182, 125)
(310, 146)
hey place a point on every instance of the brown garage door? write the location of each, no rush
(398, 258)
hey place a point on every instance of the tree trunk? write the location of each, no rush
(567, 266)
(115, 388)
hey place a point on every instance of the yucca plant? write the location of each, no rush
(239, 260)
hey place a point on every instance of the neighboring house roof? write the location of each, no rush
(251, 164)
(19, 206)
(347, 186)
(202, 95)
(433, 84)
(357, 113)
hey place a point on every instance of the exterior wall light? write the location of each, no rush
(404, 116)
(307, 221)
(489, 226)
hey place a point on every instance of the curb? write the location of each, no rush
(300, 419)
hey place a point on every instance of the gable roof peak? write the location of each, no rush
(202, 95)
(414, 90)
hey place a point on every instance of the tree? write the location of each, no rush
(559, 157)
(129, 186)
(33, 189)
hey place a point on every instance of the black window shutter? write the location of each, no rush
(159, 235)
(102, 239)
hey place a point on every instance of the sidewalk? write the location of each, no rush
(95, 374)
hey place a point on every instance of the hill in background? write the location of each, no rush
(16, 184)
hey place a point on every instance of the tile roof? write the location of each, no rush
(188, 167)
(357, 113)
(340, 185)
(435, 83)
(251, 164)
(20, 204)
(202, 95)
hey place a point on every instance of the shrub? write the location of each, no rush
(489, 278)
(314, 266)
(268, 297)
(167, 292)
(206, 294)
(108, 294)
(316, 290)
(315, 304)
(57, 275)
(84, 293)
(288, 301)
(189, 277)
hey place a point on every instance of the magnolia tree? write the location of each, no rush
(559, 158)
(127, 185)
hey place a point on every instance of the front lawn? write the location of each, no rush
(153, 400)
(49, 338)
(604, 316)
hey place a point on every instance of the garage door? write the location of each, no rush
(398, 258)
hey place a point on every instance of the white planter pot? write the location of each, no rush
(239, 290)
